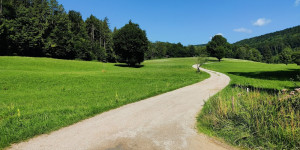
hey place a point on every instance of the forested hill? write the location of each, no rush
(275, 41)
(43, 28)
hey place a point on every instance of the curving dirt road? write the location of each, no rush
(163, 122)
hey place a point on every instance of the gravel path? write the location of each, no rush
(163, 122)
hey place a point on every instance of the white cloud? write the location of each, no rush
(219, 34)
(261, 22)
(297, 2)
(243, 30)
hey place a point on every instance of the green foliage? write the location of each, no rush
(166, 49)
(276, 40)
(59, 44)
(256, 55)
(296, 57)
(191, 51)
(217, 47)
(39, 95)
(156, 50)
(245, 52)
(26, 30)
(220, 52)
(240, 53)
(286, 56)
(8, 9)
(43, 28)
(130, 44)
(201, 50)
(267, 54)
(5, 30)
(77, 24)
(201, 60)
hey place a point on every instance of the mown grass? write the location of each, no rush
(263, 118)
(39, 95)
(256, 74)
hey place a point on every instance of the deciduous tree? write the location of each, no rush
(217, 47)
(296, 57)
(130, 44)
(286, 56)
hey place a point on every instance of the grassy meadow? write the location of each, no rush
(264, 117)
(39, 95)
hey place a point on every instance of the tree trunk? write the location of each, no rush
(1, 7)
(100, 41)
(104, 44)
(93, 33)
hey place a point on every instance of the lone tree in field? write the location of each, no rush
(217, 47)
(130, 44)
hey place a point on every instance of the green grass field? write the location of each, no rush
(263, 118)
(39, 95)
(256, 74)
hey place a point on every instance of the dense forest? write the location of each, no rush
(42, 28)
(272, 44)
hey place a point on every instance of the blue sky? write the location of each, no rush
(194, 21)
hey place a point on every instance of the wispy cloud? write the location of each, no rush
(297, 2)
(243, 30)
(261, 22)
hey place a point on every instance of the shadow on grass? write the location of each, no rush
(284, 75)
(125, 65)
(214, 60)
(252, 88)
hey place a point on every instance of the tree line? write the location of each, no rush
(219, 47)
(165, 50)
(42, 28)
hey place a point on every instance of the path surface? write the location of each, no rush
(163, 122)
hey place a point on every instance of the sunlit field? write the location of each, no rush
(263, 118)
(39, 95)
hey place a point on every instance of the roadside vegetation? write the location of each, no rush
(254, 111)
(39, 95)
